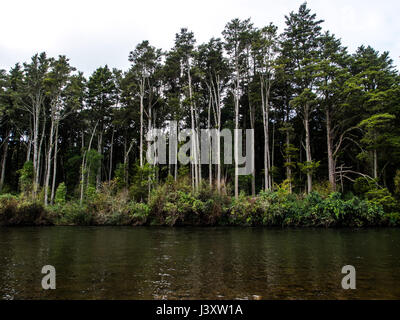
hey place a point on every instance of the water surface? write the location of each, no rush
(198, 263)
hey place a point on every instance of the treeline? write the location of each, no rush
(323, 118)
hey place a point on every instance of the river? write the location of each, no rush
(198, 263)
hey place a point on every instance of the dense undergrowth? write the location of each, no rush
(176, 204)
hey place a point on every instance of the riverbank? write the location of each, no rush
(175, 204)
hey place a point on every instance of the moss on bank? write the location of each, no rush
(175, 204)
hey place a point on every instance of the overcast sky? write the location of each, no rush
(95, 33)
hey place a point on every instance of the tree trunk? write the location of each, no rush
(331, 161)
(29, 148)
(82, 168)
(100, 151)
(39, 157)
(308, 146)
(4, 161)
(265, 90)
(195, 169)
(141, 122)
(288, 162)
(111, 156)
(36, 121)
(375, 159)
(48, 163)
(209, 140)
(236, 143)
(53, 185)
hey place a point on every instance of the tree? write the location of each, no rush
(145, 61)
(372, 93)
(184, 48)
(265, 49)
(101, 98)
(215, 67)
(55, 83)
(236, 35)
(332, 69)
(35, 74)
(301, 45)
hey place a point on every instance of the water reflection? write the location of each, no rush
(197, 263)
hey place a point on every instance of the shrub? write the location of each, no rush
(26, 175)
(139, 212)
(19, 212)
(362, 185)
(392, 219)
(61, 194)
(72, 213)
(383, 198)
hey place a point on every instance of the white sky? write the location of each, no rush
(94, 33)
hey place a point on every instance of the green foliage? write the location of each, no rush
(26, 175)
(72, 214)
(369, 189)
(93, 159)
(20, 212)
(397, 183)
(90, 193)
(61, 193)
(139, 212)
(306, 74)
(323, 188)
(309, 166)
(384, 198)
(177, 204)
(140, 183)
(362, 185)
(119, 176)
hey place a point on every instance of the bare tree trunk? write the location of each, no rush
(236, 143)
(195, 170)
(84, 162)
(141, 121)
(38, 171)
(209, 140)
(100, 151)
(53, 185)
(253, 172)
(111, 156)
(273, 156)
(375, 160)
(126, 161)
(82, 168)
(288, 162)
(36, 150)
(308, 146)
(29, 148)
(217, 93)
(149, 124)
(265, 92)
(4, 161)
(48, 162)
(331, 161)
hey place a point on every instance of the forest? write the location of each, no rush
(326, 122)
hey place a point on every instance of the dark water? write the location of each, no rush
(195, 263)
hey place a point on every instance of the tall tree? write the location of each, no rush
(301, 45)
(265, 50)
(215, 67)
(55, 83)
(145, 61)
(101, 98)
(236, 38)
(35, 75)
(332, 76)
